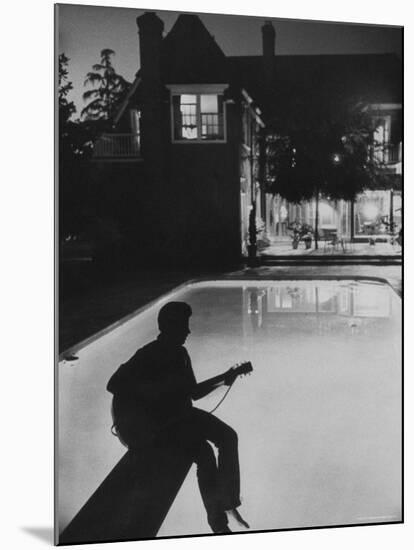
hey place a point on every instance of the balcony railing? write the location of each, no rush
(388, 154)
(117, 146)
(393, 153)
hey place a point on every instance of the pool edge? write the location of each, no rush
(242, 277)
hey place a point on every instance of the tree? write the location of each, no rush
(85, 217)
(75, 146)
(108, 89)
(75, 137)
(322, 146)
(66, 108)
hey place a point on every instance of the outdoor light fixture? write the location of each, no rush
(336, 158)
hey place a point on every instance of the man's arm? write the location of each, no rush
(207, 386)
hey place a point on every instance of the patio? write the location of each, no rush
(284, 248)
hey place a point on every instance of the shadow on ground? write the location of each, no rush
(44, 534)
(133, 500)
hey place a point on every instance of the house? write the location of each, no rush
(185, 132)
(280, 81)
(187, 141)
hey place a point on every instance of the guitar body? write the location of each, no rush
(132, 423)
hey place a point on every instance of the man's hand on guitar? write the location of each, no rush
(204, 388)
(230, 376)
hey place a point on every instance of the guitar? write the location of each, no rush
(129, 428)
(241, 369)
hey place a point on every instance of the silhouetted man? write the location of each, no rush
(153, 395)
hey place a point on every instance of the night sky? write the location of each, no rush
(83, 31)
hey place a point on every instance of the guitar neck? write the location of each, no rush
(236, 370)
(204, 388)
(216, 379)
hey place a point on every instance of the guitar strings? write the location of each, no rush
(223, 398)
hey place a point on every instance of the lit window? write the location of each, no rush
(198, 117)
(381, 138)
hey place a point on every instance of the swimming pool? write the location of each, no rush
(319, 420)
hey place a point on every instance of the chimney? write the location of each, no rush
(150, 28)
(268, 41)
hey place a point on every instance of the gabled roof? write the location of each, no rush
(132, 90)
(191, 55)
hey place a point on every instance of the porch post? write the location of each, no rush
(252, 260)
(391, 210)
(352, 219)
(316, 219)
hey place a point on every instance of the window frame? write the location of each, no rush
(387, 112)
(197, 90)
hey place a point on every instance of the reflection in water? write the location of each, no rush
(315, 301)
(255, 306)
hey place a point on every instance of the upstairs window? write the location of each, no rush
(382, 138)
(185, 117)
(198, 117)
(211, 116)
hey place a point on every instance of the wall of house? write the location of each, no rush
(181, 204)
(118, 191)
(201, 197)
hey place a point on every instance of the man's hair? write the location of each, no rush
(173, 313)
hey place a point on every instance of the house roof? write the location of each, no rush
(375, 78)
(132, 90)
(191, 55)
(201, 63)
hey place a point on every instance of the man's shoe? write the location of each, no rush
(223, 530)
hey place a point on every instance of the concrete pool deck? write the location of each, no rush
(82, 316)
(354, 249)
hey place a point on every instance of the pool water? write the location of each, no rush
(319, 419)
